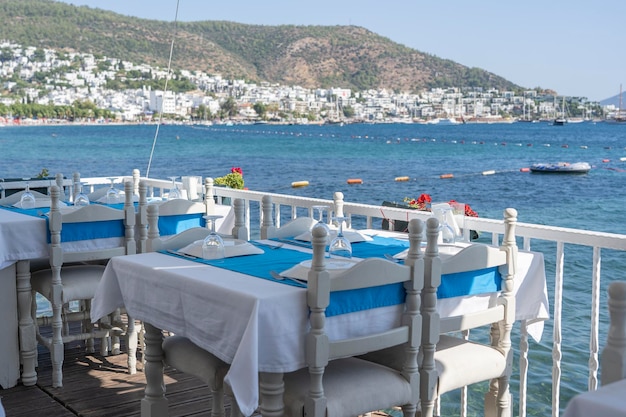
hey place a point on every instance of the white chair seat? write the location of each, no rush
(182, 354)
(340, 376)
(79, 282)
(458, 359)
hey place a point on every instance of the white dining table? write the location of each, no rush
(258, 326)
(607, 401)
(23, 238)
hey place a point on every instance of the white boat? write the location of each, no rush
(561, 119)
(561, 168)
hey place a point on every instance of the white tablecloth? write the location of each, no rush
(21, 237)
(24, 237)
(254, 324)
(607, 401)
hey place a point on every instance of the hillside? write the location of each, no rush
(309, 56)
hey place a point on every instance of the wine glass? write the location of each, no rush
(319, 210)
(81, 198)
(447, 233)
(113, 194)
(174, 191)
(213, 244)
(340, 245)
(27, 201)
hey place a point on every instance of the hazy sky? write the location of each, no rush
(575, 47)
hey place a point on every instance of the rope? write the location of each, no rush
(167, 78)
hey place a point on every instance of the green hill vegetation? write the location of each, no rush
(309, 56)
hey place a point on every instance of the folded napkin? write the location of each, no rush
(445, 250)
(352, 235)
(334, 267)
(39, 203)
(232, 248)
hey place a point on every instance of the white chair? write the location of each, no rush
(451, 368)
(75, 272)
(613, 358)
(336, 383)
(450, 362)
(292, 228)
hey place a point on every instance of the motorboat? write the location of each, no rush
(561, 168)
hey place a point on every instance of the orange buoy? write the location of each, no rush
(606, 160)
(297, 184)
(444, 176)
(525, 170)
(401, 179)
(355, 181)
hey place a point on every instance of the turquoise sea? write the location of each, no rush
(272, 157)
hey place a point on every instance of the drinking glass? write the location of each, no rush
(340, 245)
(213, 244)
(27, 201)
(81, 199)
(174, 191)
(113, 194)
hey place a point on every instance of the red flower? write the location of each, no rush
(424, 198)
(469, 212)
(422, 202)
(236, 170)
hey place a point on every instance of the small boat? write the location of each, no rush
(562, 168)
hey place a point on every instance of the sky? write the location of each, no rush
(574, 47)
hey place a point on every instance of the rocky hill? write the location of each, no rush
(309, 56)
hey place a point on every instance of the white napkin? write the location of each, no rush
(39, 203)
(334, 266)
(445, 250)
(352, 235)
(232, 248)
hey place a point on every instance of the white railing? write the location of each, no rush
(368, 216)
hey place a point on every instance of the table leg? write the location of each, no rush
(28, 339)
(271, 390)
(154, 403)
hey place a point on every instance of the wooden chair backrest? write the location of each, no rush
(89, 214)
(478, 257)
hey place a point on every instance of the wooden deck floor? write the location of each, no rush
(97, 386)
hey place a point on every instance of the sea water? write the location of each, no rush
(487, 163)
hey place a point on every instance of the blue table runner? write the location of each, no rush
(168, 225)
(342, 302)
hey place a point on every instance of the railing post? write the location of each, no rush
(209, 195)
(267, 224)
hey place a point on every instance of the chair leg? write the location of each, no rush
(498, 403)
(409, 410)
(56, 348)
(86, 327)
(115, 339)
(131, 345)
(217, 407)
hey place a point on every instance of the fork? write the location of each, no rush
(277, 276)
(267, 245)
(390, 257)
